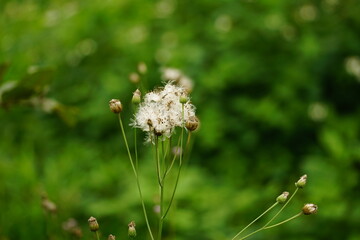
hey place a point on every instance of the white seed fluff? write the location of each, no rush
(161, 111)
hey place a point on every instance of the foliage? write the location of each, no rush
(276, 85)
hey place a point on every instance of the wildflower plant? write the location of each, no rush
(159, 114)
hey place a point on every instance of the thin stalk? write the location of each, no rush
(267, 210)
(157, 159)
(275, 225)
(97, 235)
(172, 162)
(266, 226)
(180, 165)
(136, 176)
(161, 189)
(136, 152)
(285, 221)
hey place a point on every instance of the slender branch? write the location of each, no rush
(136, 176)
(275, 225)
(157, 159)
(267, 210)
(161, 187)
(172, 162)
(136, 152)
(180, 165)
(285, 221)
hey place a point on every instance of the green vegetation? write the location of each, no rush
(276, 85)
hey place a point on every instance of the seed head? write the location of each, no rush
(93, 224)
(301, 182)
(161, 112)
(282, 197)
(115, 105)
(192, 123)
(310, 208)
(132, 230)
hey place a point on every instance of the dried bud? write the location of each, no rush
(115, 105)
(136, 97)
(183, 98)
(48, 205)
(93, 224)
(111, 237)
(301, 182)
(283, 197)
(142, 68)
(71, 226)
(192, 124)
(134, 78)
(310, 209)
(132, 230)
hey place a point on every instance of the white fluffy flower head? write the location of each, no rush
(161, 111)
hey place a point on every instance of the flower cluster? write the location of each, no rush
(161, 111)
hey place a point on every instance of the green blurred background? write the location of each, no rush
(277, 90)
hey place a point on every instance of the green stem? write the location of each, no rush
(161, 189)
(180, 165)
(97, 235)
(266, 226)
(157, 159)
(267, 210)
(136, 151)
(285, 221)
(272, 226)
(172, 162)
(136, 176)
(161, 220)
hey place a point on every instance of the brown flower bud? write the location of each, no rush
(301, 182)
(310, 208)
(192, 123)
(93, 224)
(115, 105)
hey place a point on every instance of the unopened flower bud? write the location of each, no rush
(115, 105)
(132, 230)
(136, 97)
(142, 68)
(93, 224)
(283, 197)
(310, 208)
(301, 182)
(192, 123)
(134, 78)
(111, 237)
(183, 99)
